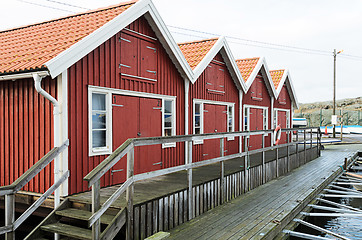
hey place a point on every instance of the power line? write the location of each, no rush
(67, 4)
(41, 5)
(253, 41)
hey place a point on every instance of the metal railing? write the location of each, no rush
(9, 192)
(127, 148)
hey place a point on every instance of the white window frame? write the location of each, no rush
(112, 91)
(265, 117)
(202, 102)
(287, 116)
(108, 148)
(173, 121)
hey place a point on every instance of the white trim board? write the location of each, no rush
(80, 49)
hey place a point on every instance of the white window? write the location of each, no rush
(275, 119)
(197, 118)
(265, 119)
(288, 121)
(99, 123)
(246, 119)
(169, 120)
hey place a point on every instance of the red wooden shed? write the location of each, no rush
(258, 100)
(285, 101)
(112, 74)
(214, 96)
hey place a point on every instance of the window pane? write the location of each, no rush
(197, 130)
(230, 111)
(168, 106)
(98, 120)
(99, 139)
(98, 101)
(197, 121)
(168, 132)
(168, 120)
(197, 108)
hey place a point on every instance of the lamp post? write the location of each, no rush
(334, 87)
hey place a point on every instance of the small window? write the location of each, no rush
(246, 119)
(230, 119)
(275, 118)
(287, 119)
(99, 124)
(169, 128)
(265, 119)
(197, 119)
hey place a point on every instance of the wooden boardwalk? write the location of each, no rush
(264, 211)
(150, 189)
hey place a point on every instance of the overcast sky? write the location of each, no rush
(282, 31)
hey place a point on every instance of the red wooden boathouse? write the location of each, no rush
(214, 96)
(285, 101)
(258, 100)
(115, 73)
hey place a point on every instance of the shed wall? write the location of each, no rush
(100, 68)
(26, 130)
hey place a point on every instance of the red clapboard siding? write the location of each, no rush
(26, 129)
(285, 95)
(100, 68)
(264, 102)
(198, 90)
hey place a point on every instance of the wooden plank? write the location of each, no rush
(68, 230)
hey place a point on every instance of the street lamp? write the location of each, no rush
(334, 87)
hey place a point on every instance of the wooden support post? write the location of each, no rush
(305, 146)
(288, 154)
(345, 164)
(311, 138)
(96, 204)
(296, 146)
(129, 194)
(10, 215)
(222, 172)
(276, 161)
(190, 193)
(263, 156)
(246, 182)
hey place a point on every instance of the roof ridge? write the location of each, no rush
(199, 41)
(72, 15)
(243, 59)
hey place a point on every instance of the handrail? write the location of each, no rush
(10, 190)
(34, 170)
(94, 176)
(122, 150)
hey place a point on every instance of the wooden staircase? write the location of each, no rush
(70, 221)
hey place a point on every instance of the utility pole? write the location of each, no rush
(334, 87)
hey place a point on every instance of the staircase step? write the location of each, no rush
(83, 215)
(68, 231)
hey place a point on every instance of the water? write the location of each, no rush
(350, 227)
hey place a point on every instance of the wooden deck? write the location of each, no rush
(262, 212)
(148, 190)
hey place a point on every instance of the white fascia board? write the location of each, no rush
(23, 75)
(171, 43)
(232, 62)
(208, 58)
(253, 74)
(77, 51)
(291, 90)
(269, 79)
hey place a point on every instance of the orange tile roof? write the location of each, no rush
(246, 66)
(30, 47)
(276, 76)
(195, 51)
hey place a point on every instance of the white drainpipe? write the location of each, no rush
(56, 113)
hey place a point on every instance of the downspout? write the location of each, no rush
(187, 87)
(56, 114)
(271, 119)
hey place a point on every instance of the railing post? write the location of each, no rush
(129, 194)
(190, 193)
(263, 156)
(311, 138)
(305, 146)
(318, 141)
(10, 215)
(96, 204)
(222, 172)
(246, 175)
(276, 161)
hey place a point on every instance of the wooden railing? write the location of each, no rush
(127, 148)
(9, 192)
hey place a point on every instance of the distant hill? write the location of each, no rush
(319, 113)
